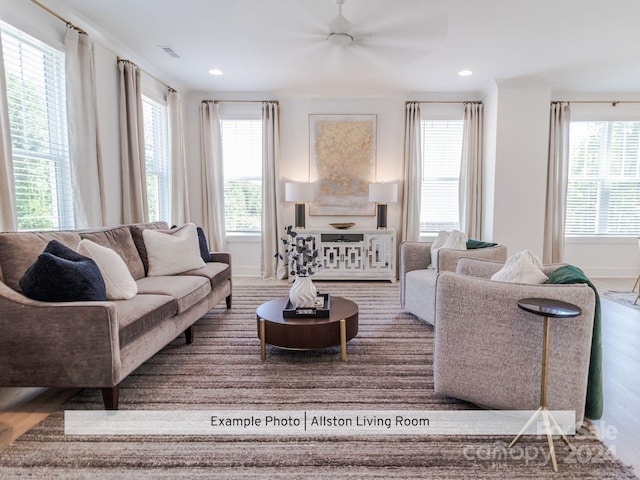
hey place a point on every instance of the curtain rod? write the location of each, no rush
(442, 101)
(240, 101)
(71, 25)
(612, 102)
(58, 16)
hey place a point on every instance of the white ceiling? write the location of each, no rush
(409, 46)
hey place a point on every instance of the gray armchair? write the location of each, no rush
(418, 283)
(488, 351)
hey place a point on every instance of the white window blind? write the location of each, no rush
(441, 153)
(242, 154)
(38, 122)
(156, 149)
(603, 194)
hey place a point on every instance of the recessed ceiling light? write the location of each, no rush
(216, 71)
(465, 73)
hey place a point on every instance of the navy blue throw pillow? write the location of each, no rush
(204, 246)
(62, 275)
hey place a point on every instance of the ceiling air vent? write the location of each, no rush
(169, 51)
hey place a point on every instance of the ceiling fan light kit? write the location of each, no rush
(340, 39)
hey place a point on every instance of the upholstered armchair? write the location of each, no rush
(418, 283)
(488, 351)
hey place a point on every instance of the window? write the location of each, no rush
(242, 154)
(603, 194)
(156, 153)
(38, 123)
(441, 154)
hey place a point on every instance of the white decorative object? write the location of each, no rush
(521, 267)
(118, 281)
(454, 240)
(174, 251)
(303, 293)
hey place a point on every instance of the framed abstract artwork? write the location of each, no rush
(342, 163)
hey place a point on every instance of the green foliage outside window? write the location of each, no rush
(243, 205)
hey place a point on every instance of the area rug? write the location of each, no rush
(622, 297)
(389, 367)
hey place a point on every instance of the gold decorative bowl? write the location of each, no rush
(342, 226)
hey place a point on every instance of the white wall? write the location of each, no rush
(521, 167)
(489, 172)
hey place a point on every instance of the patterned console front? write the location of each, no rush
(356, 254)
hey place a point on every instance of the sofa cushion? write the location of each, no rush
(186, 290)
(119, 239)
(140, 314)
(420, 294)
(174, 251)
(117, 278)
(216, 272)
(521, 267)
(19, 250)
(136, 234)
(61, 275)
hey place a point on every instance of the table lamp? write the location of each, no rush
(299, 193)
(382, 193)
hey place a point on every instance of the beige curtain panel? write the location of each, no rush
(179, 188)
(557, 181)
(8, 214)
(84, 142)
(470, 187)
(212, 176)
(134, 184)
(272, 215)
(412, 173)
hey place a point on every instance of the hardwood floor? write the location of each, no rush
(619, 428)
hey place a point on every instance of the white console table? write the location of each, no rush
(355, 254)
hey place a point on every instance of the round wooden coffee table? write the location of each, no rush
(307, 333)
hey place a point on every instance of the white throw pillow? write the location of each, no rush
(117, 278)
(455, 240)
(521, 267)
(172, 251)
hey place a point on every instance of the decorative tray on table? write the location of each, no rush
(342, 226)
(319, 310)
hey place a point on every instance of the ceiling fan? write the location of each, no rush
(399, 31)
(340, 29)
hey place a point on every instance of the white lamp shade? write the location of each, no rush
(298, 192)
(383, 192)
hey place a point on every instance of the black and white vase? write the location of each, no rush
(303, 292)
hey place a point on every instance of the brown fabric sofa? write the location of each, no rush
(97, 344)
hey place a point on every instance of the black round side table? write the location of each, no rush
(547, 308)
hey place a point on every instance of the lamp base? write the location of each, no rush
(382, 216)
(300, 214)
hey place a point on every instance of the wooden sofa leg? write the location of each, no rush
(110, 396)
(228, 300)
(188, 335)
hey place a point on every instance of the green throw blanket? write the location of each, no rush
(473, 244)
(595, 394)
